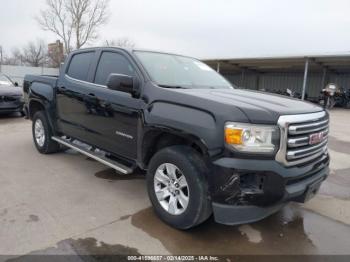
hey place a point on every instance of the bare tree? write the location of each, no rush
(87, 17)
(74, 19)
(121, 42)
(15, 58)
(57, 19)
(34, 53)
(9, 60)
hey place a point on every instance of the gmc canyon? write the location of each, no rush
(208, 147)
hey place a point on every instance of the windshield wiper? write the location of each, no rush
(175, 87)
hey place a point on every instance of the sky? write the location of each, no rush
(204, 28)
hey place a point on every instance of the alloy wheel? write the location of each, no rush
(171, 189)
(39, 133)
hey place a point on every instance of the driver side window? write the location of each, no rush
(112, 63)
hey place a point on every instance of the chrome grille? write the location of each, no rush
(296, 137)
(308, 128)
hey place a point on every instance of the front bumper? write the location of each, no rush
(238, 200)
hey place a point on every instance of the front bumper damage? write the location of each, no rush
(245, 190)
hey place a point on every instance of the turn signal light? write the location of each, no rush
(233, 136)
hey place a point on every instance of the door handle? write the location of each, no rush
(91, 95)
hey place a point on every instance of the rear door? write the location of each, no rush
(115, 115)
(73, 100)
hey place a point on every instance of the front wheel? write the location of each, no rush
(178, 188)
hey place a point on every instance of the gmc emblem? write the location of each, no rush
(316, 138)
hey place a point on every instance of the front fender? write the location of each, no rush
(187, 119)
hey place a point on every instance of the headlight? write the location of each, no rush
(251, 138)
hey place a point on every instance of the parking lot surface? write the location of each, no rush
(68, 204)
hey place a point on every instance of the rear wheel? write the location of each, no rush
(42, 134)
(177, 187)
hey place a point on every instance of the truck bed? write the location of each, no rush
(48, 80)
(44, 84)
(45, 79)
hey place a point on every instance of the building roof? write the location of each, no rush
(337, 63)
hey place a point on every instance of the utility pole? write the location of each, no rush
(218, 67)
(0, 58)
(306, 70)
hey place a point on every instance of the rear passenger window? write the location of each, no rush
(112, 63)
(80, 65)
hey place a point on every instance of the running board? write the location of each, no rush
(94, 155)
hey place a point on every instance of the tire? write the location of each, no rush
(40, 126)
(192, 167)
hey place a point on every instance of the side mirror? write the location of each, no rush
(123, 83)
(16, 84)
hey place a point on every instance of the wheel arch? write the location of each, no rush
(157, 139)
(35, 106)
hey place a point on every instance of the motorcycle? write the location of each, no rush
(342, 98)
(327, 99)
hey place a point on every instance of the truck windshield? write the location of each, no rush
(174, 71)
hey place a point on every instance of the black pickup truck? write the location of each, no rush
(208, 147)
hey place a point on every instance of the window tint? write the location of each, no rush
(80, 65)
(112, 63)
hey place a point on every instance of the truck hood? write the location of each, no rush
(6, 90)
(259, 107)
